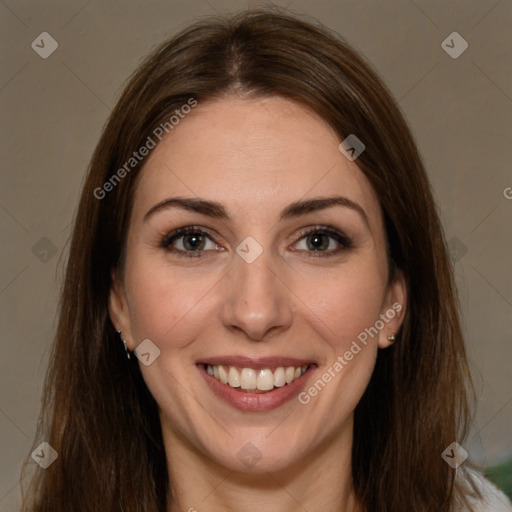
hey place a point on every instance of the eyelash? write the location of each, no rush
(344, 241)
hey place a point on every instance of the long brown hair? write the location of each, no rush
(97, 412)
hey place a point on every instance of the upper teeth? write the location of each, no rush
(247, 378)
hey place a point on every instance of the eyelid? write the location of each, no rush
(341, 238)
(183, 231)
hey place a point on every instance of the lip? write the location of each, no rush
(255, 402)
(259, 363)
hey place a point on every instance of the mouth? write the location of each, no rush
(256, 385)
(252, 380)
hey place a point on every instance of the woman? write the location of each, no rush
(258, 308)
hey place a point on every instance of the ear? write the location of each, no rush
(118, 309)
(394, 307)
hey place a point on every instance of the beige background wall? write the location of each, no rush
(53, 110)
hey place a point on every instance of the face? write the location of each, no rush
(256, 285)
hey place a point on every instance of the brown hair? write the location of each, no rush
(97, 412)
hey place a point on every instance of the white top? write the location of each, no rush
(493, 499)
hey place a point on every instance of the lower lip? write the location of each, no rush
(254, 402)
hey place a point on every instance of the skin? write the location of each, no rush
(255, 156)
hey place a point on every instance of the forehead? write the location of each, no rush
(248, 153)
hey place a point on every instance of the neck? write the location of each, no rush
(319, 481)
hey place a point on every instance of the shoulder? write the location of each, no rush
(493, 500)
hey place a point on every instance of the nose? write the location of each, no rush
(256, 301)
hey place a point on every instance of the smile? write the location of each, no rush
(256, 385)
(253, 380)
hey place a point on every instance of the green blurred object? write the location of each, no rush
(501, 477)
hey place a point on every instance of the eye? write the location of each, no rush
(189, 241)
(317, 241)
(323, 240)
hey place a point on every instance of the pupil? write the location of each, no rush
(193, 242)
(317, 242)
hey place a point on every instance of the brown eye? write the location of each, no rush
(318, 242)
(193, 242)
(187, 241)
(323, 240)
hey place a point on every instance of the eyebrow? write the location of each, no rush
(216, 210)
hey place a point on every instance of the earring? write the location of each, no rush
(391, 338)
(125, 347)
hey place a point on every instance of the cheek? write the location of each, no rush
(345, 303)
(345, 306)
(166, 305)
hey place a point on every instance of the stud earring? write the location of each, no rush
(125, 346)
(391, 338)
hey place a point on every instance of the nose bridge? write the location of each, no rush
(257, 279)
(256, 299)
